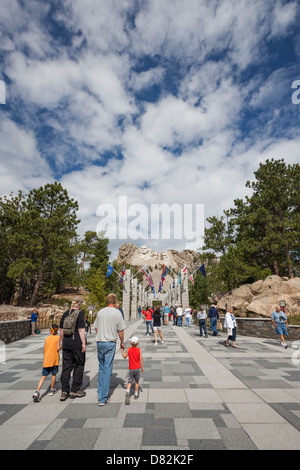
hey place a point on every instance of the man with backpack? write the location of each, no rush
(72, 340)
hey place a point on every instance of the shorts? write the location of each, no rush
(281, 329)
(134, 376)
(155, 328)
(49, 370)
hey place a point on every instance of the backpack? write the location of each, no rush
(70, 322)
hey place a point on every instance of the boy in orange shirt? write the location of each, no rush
(136, 365)
(50, 363)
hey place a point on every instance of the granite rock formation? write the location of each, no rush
(173, 259)
(261, 297)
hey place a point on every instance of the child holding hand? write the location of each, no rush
(136, 366)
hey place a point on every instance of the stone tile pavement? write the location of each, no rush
(196, 395)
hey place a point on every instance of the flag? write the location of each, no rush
(191, 278)
(202, 269)
(163, 276)
(146, 271)
(184, 269)
(165, 272)
(179, 278)
(123, 273)
(109, 270)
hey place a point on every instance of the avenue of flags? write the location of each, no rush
(165, 271)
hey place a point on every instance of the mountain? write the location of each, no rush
(173, 259)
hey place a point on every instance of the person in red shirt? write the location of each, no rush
(136, 366)
(149, 313)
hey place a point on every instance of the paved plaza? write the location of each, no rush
(196, 394)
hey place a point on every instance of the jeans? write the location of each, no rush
(179, 320)
(202, 326)
(73, 361)
(188, 321)
(213, 325)
(149, 323)
(106, 353)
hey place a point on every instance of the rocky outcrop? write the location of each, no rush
(46, 312)
(261, 297)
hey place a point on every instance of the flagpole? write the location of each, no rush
(118, 273)
(136, 273)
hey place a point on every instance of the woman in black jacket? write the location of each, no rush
(157, 325)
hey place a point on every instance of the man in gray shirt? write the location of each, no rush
(109, 326)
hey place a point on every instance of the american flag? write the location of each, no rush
(146, 271)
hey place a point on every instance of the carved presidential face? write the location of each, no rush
(144, 250)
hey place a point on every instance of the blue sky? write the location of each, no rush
(173, 101)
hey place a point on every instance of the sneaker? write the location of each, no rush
(136, 395)
(36, 397)
(78, 394)
(102, 404)
(162, 342)
(127, 398)
(284, 345)
(64, 396)
(155, 344)
(51, 392)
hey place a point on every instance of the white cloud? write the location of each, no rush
(283, 17)
(86, 87)
(144, 80)
(43, 83)
(21, 165)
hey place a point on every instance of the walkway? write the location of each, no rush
(196, 394)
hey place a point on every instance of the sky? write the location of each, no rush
(156, 102)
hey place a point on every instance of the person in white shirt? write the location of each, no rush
(201, 315)
(230, 324)
(188, 316)
(179, 313)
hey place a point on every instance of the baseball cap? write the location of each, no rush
(134, 340)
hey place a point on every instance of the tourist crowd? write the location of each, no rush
(109, 327)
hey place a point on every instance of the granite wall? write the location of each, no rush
(14, 330)
(262, 328)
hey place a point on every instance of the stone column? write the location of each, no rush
(126, 295)
(177, 292)
(134, 298)
(139, 296)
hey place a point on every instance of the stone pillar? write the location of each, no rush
(134, 299)
(177, 292)
(184, 290)
(126, 295)
(139, 296)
